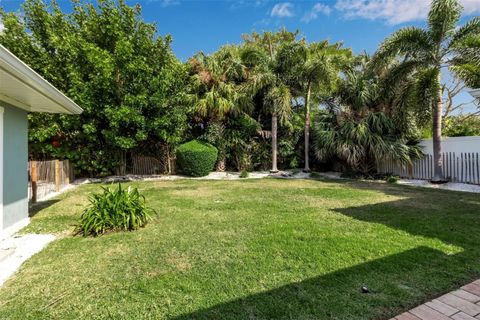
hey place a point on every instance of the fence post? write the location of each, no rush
(66, 171)
(33, 180)
(57, 175)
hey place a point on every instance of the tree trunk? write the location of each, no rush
(274, 144)
(437, 140)
(307, 130)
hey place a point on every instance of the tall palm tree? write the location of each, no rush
(217, 80)
(314, 69)
(261, 56)
(426, 52)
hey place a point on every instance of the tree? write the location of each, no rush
(217, 80)
(261, 56)
(115, 67)
(427, 51)
(360, 127)
(314, 71)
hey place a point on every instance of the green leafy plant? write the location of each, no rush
(244, 174)
(392, 179)
(196, 158)
(114, 210)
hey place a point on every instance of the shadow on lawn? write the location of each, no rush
(39, 206)
(397, 282)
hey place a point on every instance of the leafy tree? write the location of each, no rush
(426, 52)
(462, 125)
(114, 66)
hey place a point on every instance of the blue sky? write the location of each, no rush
(205, 25)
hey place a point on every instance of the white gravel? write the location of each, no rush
(446, 186)
(20, 249)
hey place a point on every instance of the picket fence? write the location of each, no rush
(461, 161)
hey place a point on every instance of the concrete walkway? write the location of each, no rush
(17, 249)
(462, 304)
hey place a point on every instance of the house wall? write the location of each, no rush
(15, 157)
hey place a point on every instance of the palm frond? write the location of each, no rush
(443, 18)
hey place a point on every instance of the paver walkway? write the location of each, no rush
(462, 304)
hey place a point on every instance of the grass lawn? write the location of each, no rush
(253, 249)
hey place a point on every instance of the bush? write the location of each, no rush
(392, 179)
(244, 174)
(196, 158)
(113, 210)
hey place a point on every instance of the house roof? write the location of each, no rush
(23, 88)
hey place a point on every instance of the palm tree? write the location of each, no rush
(314, 69)
(426, 52)
(217, 80)
(359, 127)
(261, 56)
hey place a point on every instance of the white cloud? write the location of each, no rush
(165, 3)
(1, 26)
(395, 11)
(282, 10)
(471, 6)
(316, 9)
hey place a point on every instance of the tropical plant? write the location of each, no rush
(266, 77)
(117, 209)
(425, 52)
(216, 81)
(361, 140)
(196, 158)
(314, 72)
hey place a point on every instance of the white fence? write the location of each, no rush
(461, 161)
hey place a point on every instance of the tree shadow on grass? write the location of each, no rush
(397, 282)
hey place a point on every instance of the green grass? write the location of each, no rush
(253, 249)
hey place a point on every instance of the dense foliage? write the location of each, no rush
(254, 101)
(114, 210)
(196, 158)
(461, 126)
(115, 67)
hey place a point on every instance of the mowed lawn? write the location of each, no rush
(253, 249)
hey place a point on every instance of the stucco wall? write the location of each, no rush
(15, 157)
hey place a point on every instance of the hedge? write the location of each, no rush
(196, 158)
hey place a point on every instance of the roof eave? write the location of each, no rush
(17, 68)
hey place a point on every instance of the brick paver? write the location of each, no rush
(461, 304)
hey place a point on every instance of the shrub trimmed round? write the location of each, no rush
(196, 158)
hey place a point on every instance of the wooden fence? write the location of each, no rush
(457, 167)
(47, 177)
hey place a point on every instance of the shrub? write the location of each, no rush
(244, 174)
(196, 158)
(392, 179)
(114, 209)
